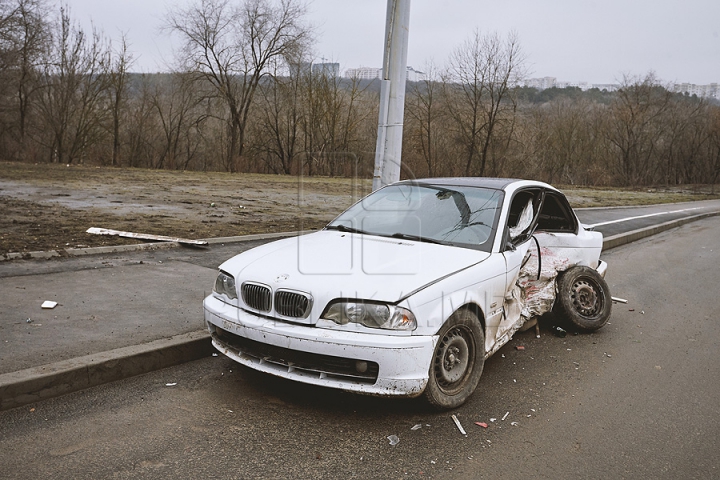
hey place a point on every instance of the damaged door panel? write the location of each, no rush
(544, 239)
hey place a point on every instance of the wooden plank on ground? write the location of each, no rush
(145, 236)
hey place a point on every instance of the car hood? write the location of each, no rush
(331, 264)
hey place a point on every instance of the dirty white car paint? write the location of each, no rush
(409, 290)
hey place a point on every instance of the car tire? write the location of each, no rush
(583, 300)
(457, 362)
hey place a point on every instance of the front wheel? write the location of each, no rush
(457, 362)
(583, 299)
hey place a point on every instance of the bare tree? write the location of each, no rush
(24, 34)
(118, 85)
(636, 127)
(73, 90)
(230, 45)
(424, 124)
(334, 111)
(10, 38)
(683, 146)
(481, 77)
(566, 139)
(176, 107)
(713, 149)
(278, 133)
(141, 131)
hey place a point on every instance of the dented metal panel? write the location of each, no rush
(532, 295)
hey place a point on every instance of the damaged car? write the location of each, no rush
(411, 289)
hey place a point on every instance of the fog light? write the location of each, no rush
(361, 366)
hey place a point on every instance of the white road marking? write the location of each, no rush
(644, 216)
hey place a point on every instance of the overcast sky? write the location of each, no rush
(572, 40)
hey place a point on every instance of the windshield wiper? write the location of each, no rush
(344, 228)
(418, 238)
(404, 236)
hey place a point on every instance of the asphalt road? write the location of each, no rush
(613, 221)
(638, 399)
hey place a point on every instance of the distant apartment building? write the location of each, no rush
(711, 91)
(551, 82)
(414, 75)
(364, 73)
(541, 83)
(371, 73)
(610, 87)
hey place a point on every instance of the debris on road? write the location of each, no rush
(558, 331)
(417, 427)
(519, 347)
(48, 304)
(481, 424)
(505, 416)
(618, 300)
(170, 384)
(145, 236)
(457, 423)
(394, 440)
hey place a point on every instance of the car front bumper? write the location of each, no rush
(373, 364)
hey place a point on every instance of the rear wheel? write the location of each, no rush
(457, 362)
(583, 299)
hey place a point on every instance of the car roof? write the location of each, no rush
(487, 182)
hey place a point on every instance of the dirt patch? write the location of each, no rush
(50, 206)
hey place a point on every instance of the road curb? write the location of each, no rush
(634, 235)
(626, 207)
(55, 379)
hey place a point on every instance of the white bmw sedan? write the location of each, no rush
(408, 291)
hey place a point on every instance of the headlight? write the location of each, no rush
(225, 285)
(370, 314)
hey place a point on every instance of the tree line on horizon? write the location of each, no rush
(241, 97)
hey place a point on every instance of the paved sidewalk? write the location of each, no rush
(117, 315)
(98, 310)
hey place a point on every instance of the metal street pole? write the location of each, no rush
(388, 149)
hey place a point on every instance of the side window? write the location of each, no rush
(556, 215)
(520, 210)
(523, 211)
